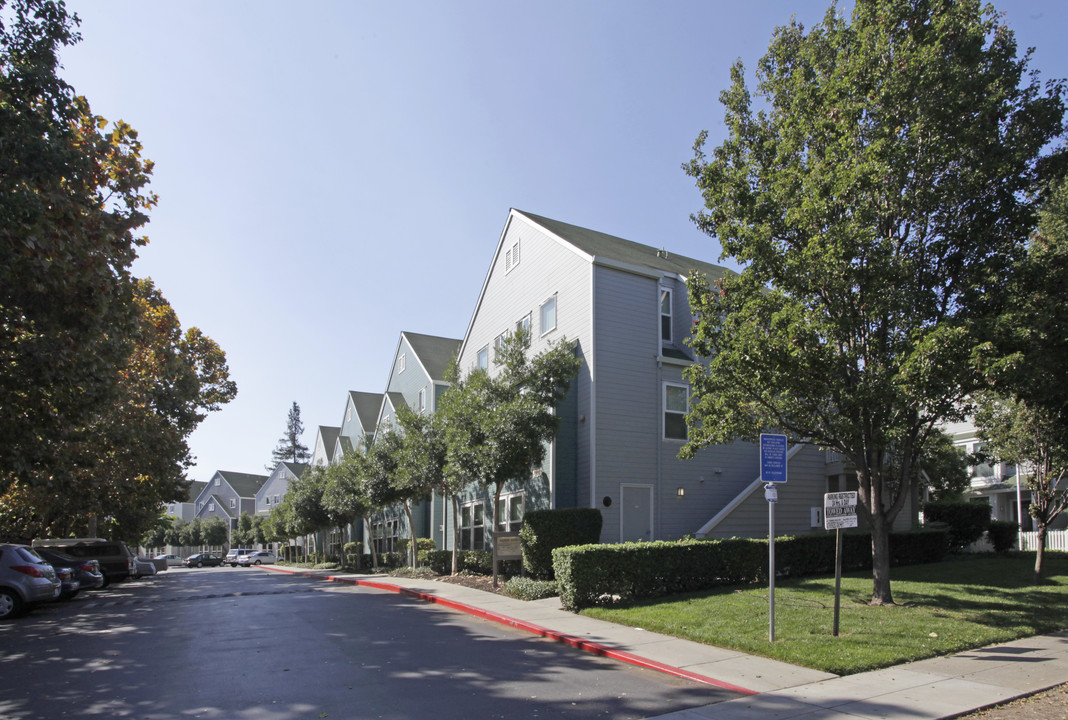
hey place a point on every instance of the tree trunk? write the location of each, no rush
(1040, 552)
(411, 534)
(455, 535)
(371, 538)
(880, 559)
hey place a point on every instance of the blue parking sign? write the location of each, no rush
(772, 458)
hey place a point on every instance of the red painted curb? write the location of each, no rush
(576, 642)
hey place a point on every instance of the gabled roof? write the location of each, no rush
(220, 504)
(434, 353)
(599, 245)
(345, 443)
(397, 400)
(296, 468)
(329, 436)
(367, 406)
(244, 484)
(195, 488)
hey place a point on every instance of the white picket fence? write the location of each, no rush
(1055, 540)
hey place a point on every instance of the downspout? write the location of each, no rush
(593, 385)
(659, 415)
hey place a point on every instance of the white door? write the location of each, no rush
(636, 513)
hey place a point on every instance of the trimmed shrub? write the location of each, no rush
(474, 561)
(545, 530)
(598, 574)
(523, 588)
(422, 547)
(966, 521)
(1002, 535)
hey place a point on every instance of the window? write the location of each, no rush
(511, 257)
(665, 314)
(200, 506)
(482, 363)
(548, 315)
(385, 533)
(400, 364)
(233, 503)
(217, 481)
(473, 526)
(510, 513)
(275, 499)
(268, 499)
(498, 343)
(523, 324)
(676, 405)
(421, 403)
(211, 507)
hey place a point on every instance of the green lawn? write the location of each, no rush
(942, 608)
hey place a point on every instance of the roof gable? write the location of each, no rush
(434, 353)
(244, 484)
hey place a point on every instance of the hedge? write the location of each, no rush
(966, 521)
(545, 530)
(594, 574)
(476, 561)
(1002, 535)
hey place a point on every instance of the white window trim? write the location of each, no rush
(511, 258)
(478, 356)
(506, 499)
(401, 363)
(421, 402)
(665, 411)
(233, 503)
(541, 314)
(670, 314)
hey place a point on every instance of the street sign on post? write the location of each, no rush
(772, 471)
(839, 511)
(772, 458)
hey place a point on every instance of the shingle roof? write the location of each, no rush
(434, 352)
(367, 406)
(244, 484)
(329, 436)
(221, 504)
(602, 245)
(397, 399)
(195, 488)
(296, 468)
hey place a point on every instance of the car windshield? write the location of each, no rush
(28, 555)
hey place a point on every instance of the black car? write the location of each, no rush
(116, 560)
(86, 570)
(203, 559)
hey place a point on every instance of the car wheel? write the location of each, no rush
(10, 604)
(200, 564)
(257, 562)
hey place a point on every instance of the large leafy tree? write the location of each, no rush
(132, 454)
(877, 200)
(420, 463)
(72, 195)
(497, 425)
(289, 447)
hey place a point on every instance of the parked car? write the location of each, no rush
(143, 567)
(86, 572)
(236, 554)
(260, 557)
(116, 560)
(202, 559)
(68, 586)
(25, 580)
(172, 560)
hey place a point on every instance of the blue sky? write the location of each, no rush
(334, 175)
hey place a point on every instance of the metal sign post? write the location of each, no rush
(772, 471)
(839, 511)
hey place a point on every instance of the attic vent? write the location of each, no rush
(662, 253)
(511, 257)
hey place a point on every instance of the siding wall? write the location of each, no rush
(412, 379)
(277, 484)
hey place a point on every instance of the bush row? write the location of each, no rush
(594, 574)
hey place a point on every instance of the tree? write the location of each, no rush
(302, 505)
(73, 194)
(193, 533)
(289, 447)
(420, 463)
(878, 203)
(1024, 420)
(1033, 439)
(343, 496)
(131, 456)
(945, 467)
(497, 426)
(215, 531)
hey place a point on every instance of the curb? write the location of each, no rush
(575, 642)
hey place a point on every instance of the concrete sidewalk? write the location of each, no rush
(771, 690)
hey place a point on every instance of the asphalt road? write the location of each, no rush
(236, 643)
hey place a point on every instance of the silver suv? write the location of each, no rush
(234, 554)
(25, 580)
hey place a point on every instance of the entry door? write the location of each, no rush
(636, 513)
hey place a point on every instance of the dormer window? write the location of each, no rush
(665, 314)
